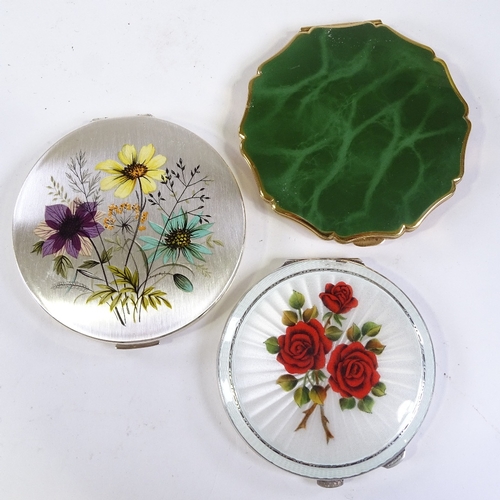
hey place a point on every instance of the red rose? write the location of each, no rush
(338, 298)
(353, 370)
(303, 347)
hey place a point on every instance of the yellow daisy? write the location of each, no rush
(144, 168)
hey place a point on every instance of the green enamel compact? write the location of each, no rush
(355, 131)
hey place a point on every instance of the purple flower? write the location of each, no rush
(69, 228)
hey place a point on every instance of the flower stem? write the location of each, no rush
(307, 414)
(324, 423)
(169, 217)
(142, 203)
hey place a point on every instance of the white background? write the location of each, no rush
(80, 420)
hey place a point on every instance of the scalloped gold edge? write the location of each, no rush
(371, 237)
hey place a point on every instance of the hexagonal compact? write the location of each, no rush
(129, 229)
(326, 369)
(355, 131)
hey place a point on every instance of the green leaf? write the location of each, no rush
(379, 390)
(106, 292)
(318, 394)
(333, 333)
(327, 316)
(287, 382)
(88, 274)
(144, 256)
(310, 313)
(106, 255)
(347, 403)
(289, 318)
(301, 396)
(154, 298)
(183, 283)
(125, 276)
(116, 271)
(353, 333)
(37, 247)
(338, 318)
(366, 404)
(114, 302)
(375, 346)
(272, 345)
(61, 265)
(319, 374)
(130, 278)
(88, 264)
(296, 300)
(370, 329)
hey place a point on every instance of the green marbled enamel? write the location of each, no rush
(355, 129)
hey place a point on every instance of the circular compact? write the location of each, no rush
(326, 369)
(129, 229)
(355, 131)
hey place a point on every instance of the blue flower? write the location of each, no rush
(176, 237)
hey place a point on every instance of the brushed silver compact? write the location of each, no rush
(129, 229)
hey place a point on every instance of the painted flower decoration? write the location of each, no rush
(117, 274)
(143, 168)
(338, 298)
(68, 229)
(303, 347)
(313, 368)
(353, 370)
(125, 217)
(176, 238)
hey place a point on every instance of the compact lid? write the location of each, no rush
(355, 131)
(326, 369)
(128, 229)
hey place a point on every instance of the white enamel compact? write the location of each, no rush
(326, 369)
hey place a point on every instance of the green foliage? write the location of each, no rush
(327, 317)
(287, 382)
(89, 264)
(347, 403)
(154, 298)
(379, 390)
(106, 255)
(366, 404)
(37, 248)
(272, 345)
(333, 333)
(296, 300)
(317, 394)
(57, 191)
(371, 329)
(61, 266)
(125, 276)
(375, 346)
(127, 292)
(211, 242)
(338, 318)
(310, 313)
(183, 283)
(353, 333)
(289, 318)
(301, 396)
